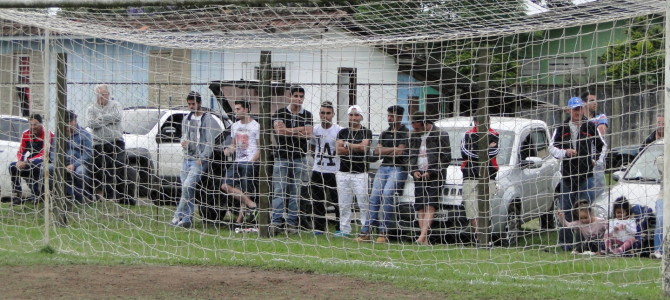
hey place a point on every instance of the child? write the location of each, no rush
(591, 228)
(622, 229)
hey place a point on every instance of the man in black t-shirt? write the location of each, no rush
(353, 143)
(292, 129)
(391, 176)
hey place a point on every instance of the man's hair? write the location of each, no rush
(621, 203)
(420, 116)
(244, 103)
(69, 116)
(396, 109)
(297, 89)
(327, 104)
(101, 86)
(37, 117)
(585, 95)
(194, 96)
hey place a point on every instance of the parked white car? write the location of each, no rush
(526, 182)
(639, 183)
(11, 128)
(153, 149)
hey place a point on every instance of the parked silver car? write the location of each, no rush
(526, 182)
(11, 128)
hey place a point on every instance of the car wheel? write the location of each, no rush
(512, 225)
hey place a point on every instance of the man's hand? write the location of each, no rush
(184, 144)
(280, 125)
(198, 162)
(21, 164)
(416, 174)
(70, 168)
(425, 176)
(492, 144)
(570, 152)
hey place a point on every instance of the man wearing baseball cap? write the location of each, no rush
(353, 144)
(578, 144)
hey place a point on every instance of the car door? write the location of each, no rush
(530, 173)
(169, 152)
(545, 191)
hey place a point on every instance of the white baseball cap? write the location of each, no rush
(355, 109)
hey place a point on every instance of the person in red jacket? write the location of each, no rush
(28, 162)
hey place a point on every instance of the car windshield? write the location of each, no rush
(644, 168)
(506, 141)
(140, 121)
(12, 128)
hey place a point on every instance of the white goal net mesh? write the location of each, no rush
(113, 83)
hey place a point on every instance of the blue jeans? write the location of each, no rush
(389, 180)
(78, 183)
(287, 178)
(190, 175)
(571, 192)
(658, 231)
(32, 174)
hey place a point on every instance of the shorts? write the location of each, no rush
(426, 193)
(242, 175)
(470, 197)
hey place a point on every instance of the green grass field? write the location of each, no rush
(109, 234)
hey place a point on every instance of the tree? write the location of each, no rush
(641, 58)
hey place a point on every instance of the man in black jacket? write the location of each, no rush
(573, 143)
(430, 154)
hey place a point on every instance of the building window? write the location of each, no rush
(23, 84)
(346, 92)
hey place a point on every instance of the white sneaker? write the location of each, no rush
(657, 255)
(588, 253)
(174, 221)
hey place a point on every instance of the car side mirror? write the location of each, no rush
(168, 134)
(531, 162)
(617, 175)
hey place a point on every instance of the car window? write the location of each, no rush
(11, 129)
(506, 141)
(174, 121)
(535, 144)
(644, 167)
(140, 122)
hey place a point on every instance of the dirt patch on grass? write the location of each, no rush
(187, 282)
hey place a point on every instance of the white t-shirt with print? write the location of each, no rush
(246, 138)
(325, 156)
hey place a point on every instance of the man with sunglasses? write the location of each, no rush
(323, 187)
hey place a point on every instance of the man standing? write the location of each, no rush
(430, 155)
(104, 118)
(197, 140)
(573, 143)
(656, 134)
(245, 135)
(391, 176)
(292, 128)
(600, 121)
(472, 173)
(29, 160)
(78, 159)
(353, 144)
(323, 186)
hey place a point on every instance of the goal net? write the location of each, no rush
(572, 89)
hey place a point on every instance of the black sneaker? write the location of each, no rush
(18, 200)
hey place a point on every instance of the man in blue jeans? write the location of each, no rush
(198, 133)
(573, 143)
(390, 178)
(78, 159)
(292, 128)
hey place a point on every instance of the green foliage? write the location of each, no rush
(641, 58)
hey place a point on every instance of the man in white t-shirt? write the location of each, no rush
(323, 187)
(245, 135)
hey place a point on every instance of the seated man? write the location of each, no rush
(29, 161)
(245, 135)
(77, 161)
